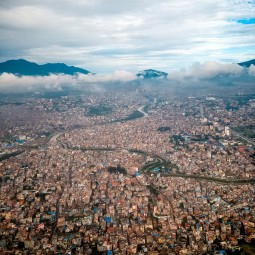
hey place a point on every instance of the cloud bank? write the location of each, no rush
(13, 83)
(213, 75)
(208, 74)
(252, 70)
(209, 69)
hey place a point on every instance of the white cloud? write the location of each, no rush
(208, 69)
(251, 70)
(13, 83)
(208, 74)
(121, 76)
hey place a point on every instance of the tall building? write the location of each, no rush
(227, 131)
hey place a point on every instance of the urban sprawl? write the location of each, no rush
(129, 172)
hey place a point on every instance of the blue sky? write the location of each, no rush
(246, 21)
(104, 36)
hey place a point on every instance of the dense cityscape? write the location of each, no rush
(129, 172)
(127, 127)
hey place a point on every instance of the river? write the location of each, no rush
(140, 109)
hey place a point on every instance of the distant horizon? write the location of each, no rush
(27, 76)
(135, 71)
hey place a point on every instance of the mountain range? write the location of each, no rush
(23, 67)
(152, 74)
(247, 63)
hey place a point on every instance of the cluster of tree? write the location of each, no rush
(8, 155)
(200, 138)
(99, 110)
(152, 190)
(177, 138)
(133, 115)
(248, 131)
(119, 169)
(238, 101)
(164, 129)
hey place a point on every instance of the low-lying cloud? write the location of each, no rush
(13, 83)
(199, 74)
(252, 70)
(209, 69)
(212, 75)
(116, 76)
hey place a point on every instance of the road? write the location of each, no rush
(57, 214)
(213, 179)
(159, 161)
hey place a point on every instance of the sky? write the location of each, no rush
(105, 36)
